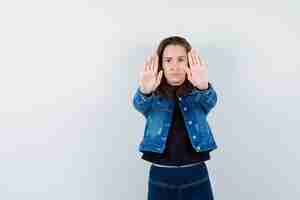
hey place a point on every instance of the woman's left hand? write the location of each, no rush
(197, 73)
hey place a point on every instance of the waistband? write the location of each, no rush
(173, 166)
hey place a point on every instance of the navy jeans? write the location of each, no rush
(186, 183)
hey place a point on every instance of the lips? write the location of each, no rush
(175, 74)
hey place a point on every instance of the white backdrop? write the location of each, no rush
(69, 69)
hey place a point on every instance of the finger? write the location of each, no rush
(160, 75)
(193, 54)
(156, 64)
(158, 80)
(197, 57)
(202, 63)
(188, 72)
(186, 69)
(200, 60)
(151, 63)
(147, 63)
(190, 59)
(140, 78)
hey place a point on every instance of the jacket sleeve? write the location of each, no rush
(142, 102)
(207, 99)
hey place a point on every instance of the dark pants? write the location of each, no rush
(187, 183)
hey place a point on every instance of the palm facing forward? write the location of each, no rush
(198, 72)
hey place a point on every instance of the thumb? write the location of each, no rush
(158, 79)
(188, 72)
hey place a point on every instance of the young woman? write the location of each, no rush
(175, 97)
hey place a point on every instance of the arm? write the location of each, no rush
(142, 102)
(206, 98)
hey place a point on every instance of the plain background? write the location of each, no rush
(69, 70)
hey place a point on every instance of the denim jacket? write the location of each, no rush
(158, 111)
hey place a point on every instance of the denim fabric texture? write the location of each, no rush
(158, 111)
(188, 183)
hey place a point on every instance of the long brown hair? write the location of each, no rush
(164, 89)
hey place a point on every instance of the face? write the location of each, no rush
(174, 62)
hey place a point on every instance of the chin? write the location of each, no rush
(176, 83)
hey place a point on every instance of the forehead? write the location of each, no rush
(174, 51)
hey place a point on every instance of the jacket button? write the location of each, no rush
(179, 98)
(194, 137)
(190, 122)
(184, 108)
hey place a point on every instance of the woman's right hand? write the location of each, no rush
(149, 78)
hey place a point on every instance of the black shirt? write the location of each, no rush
(179, 150)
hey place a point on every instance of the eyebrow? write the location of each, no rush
(178, 57)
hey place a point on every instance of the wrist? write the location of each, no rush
(144, 92)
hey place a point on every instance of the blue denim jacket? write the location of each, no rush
(158, 111)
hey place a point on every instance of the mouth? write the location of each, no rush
(175, 74)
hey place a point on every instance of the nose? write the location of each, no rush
(175, 66)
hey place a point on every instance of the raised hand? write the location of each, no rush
(197, 73)
(149, 79)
